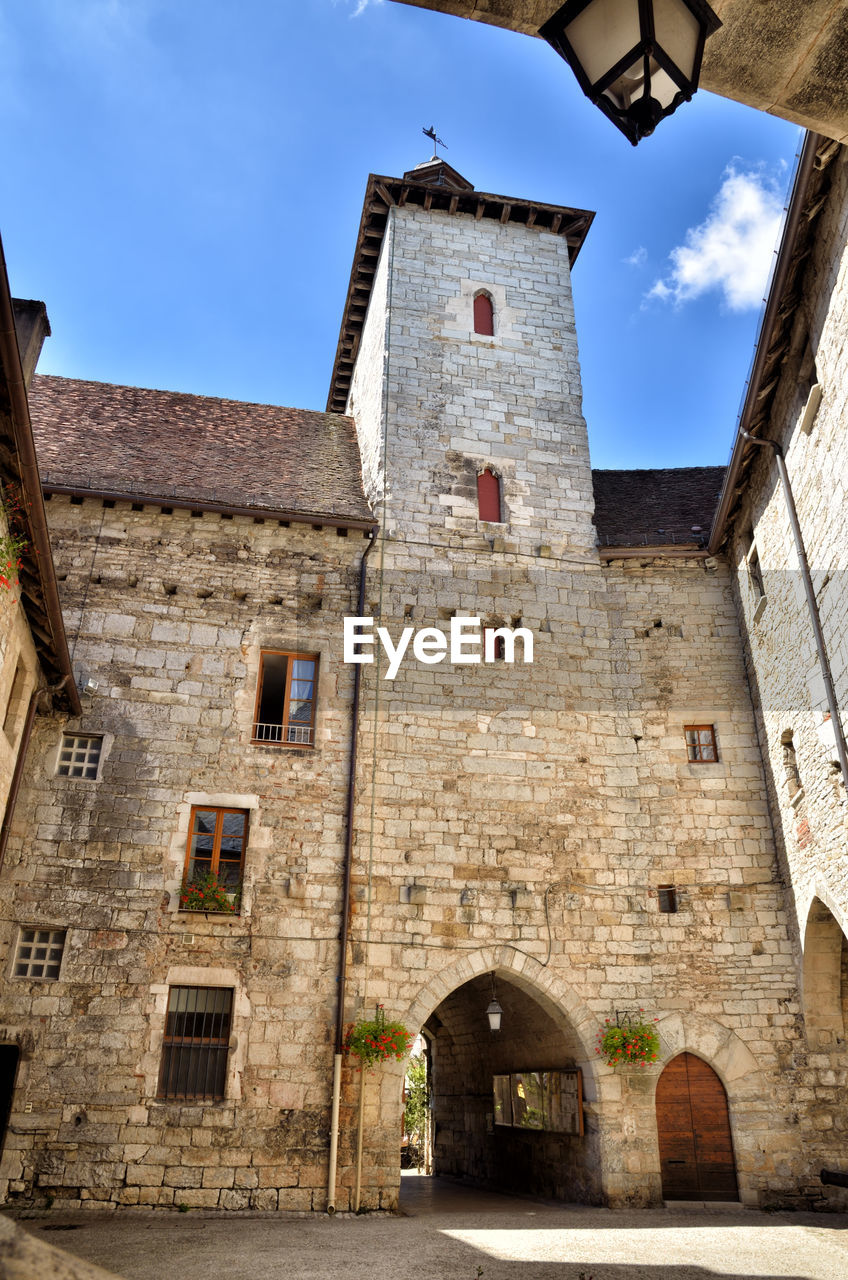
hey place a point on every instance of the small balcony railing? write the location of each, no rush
(301, 735)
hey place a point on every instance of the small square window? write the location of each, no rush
(701, 746)
(667, 899)
(79, 757)
(39, 954)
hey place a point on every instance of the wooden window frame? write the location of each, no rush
(211, 1048)
(694, 749)
(291, 657)
(217, 836)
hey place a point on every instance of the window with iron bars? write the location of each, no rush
(79, 756)
(285, 699)
(196, 1043)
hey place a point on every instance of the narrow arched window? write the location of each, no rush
(484, 315)
(489, 497)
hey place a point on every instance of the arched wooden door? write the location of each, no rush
(693, 1125)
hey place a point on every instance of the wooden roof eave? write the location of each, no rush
(808, 196)
(384, 193)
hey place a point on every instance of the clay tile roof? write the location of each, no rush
(167, 445)
(656, 507)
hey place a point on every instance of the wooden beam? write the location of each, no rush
(505, 212)
(384, 194)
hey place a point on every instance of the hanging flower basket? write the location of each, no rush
(636, 1044)
(375, 1040)
(13, 543)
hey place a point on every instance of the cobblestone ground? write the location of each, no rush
(454, 1233)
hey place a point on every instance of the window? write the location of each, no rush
(11, 720)
(79, 757)
(489, 497)
(494, 644)
(755, 579)
(794, 788)
(285, 699)
(667, 899)
(484, 315)
(196, 1043)
(39, 954)
(701, 746)
(216, 844)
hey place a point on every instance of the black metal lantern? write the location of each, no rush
(636, 59)
(494, 1012)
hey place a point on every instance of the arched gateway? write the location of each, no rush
(508, 1106)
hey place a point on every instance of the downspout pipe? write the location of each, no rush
(812, 604)
(344, 931)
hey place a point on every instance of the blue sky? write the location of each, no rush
(182, 186)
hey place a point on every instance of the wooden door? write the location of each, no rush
(693, 1126)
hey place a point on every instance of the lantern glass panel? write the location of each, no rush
(629, 85)
(677, 33)
(602, 34)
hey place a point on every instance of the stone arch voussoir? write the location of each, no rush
(528, 974)
(720, 1047)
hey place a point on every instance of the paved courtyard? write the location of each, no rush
(450, 1232)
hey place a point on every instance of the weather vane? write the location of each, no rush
(437, 142)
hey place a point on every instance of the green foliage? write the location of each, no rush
(208, 893)
(415, 1113)
(14, 543)
(376, 1040)
(636, 1044)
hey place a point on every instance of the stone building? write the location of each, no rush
(35, 667)
(584, 836)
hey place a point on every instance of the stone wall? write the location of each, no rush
(168, 613)
(805, 788)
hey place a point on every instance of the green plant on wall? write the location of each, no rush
(636, 1043)
(374, 1040)
(208, 893)
(14, 542)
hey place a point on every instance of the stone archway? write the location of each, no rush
(543, 1030)
(825, 981)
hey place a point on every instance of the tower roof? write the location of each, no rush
(433, 185)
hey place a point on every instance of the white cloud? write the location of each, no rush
(730, 251)
(362, 5)
(637, 258)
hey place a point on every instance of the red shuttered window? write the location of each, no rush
(484, 315)
(489, 497)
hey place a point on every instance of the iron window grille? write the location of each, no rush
(216, 845)
(79, 756)
(701, 745)
(286, 698)
(196, 1043)
(39, 954)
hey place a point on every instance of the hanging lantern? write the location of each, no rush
(494, 1012)
(636, 59)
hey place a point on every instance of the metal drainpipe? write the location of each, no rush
(812, 605)
(345, 922)
(20, 761)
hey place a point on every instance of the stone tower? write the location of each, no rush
(518, 819)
